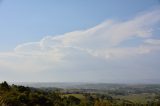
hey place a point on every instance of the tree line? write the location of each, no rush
(14, 95)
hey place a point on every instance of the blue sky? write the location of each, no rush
(28, 21)
(101, 40)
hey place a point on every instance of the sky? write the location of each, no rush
(108, 41)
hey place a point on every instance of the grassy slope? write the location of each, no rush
(137, 98)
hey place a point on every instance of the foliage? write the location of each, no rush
(13, 95)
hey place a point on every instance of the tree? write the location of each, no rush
(73, 100)
(4, 86)
(97, 103)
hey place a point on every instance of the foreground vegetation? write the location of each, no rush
(13, 95)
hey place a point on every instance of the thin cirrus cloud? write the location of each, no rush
(104, 42)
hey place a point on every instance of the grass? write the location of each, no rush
(137, 98)
(80, 96)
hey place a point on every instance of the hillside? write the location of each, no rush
(117, 95)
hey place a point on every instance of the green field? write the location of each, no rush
(80, 96)
(137, 98)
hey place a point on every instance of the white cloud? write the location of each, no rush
(153, 41)
(82, 49)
